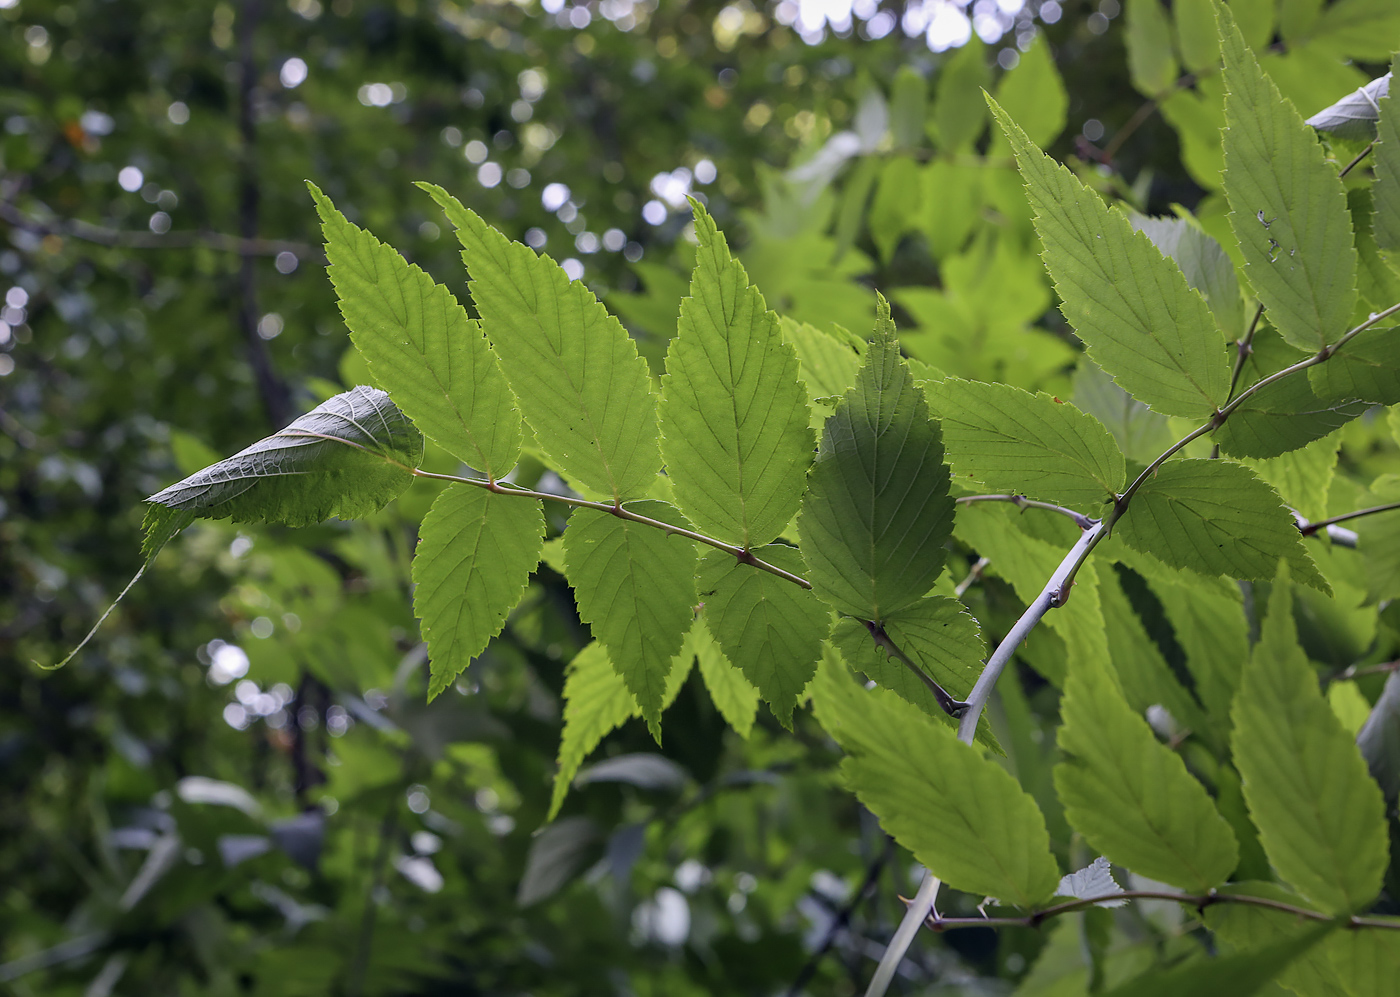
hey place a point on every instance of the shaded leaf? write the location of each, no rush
(1386, 190)
(1237, 975)
(767, 627)
(877, 508)
(559, 853)
(1204, 264)
(734, 695)
(1320, 815)
(1141, 434)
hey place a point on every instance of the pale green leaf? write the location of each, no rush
(951, 205)
(635, 587)
(734, 695)
(348, 457)
(1363, 30)
(1217, 518)
(1151, 62)
(1130, 795)
(1288, 207)
(1386, 191)
(1297, 17)
(1378, 539)
(959, 114)
(1141, 321)
(1009, 440)
(769, 628)
(581, 384)
(1140, 433)
(734, 416)
(1197, 115)
(895, 209)
(1033, 95)
(1320, 815)
(828, 363)
(908, 108)
(1196, 34)
(476, 550)
(596, 702)
(1302, 476)
(877, 509)
(960, 813)
(1246, 928)
(421, 347)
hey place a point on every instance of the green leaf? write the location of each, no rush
(1364, 30)
(1204, 264)
(734, 696)
(951, 205)
(958, 112)
(421, 347)
(908, 108)
(1217, 518)
(1368, 368)
(1151, 63)
(1140, 433)
(1130, 795)
(1034, 96)
(895, 209)
(1378, 539)
(596, 702)
(1320, 815)
(1302, 476)
(1247, 928)
(1027, 562)
(1237, 975)
(1009, 440)
(476, 550)
(769, 628)
(635, 586)
(1145, 676)
(877, 509)
(960, 813)
(1288, 207)
(1386, 190)
(581, 384)
(734, 417)
(348, 457)
(828, 364)
(1196, 35)
(1285, 415)
(1141, 321)
(1368, 961)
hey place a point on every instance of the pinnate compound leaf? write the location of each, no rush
(1130, 795)
(421, 347)
(1215, 517)
(597, 702)
(877, 509)
(476, 550)
(348, 457)
(1288, 207)
(1320, 815)
(768, 628)
(1386, 190)
(961, 814)
(1141, 321)
(1009, 440)
(734, 417)
(635, 586)
(584, 389)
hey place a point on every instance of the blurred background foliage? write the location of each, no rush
(238, 788)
